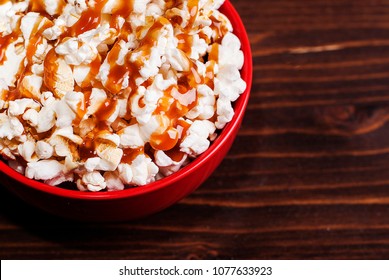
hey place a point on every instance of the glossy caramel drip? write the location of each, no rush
(129, 155)
(193, 7)
(219, 28)
(87, 149)
(214, 53)
(169, 4)
(13, 94)
(36, 39)
(50, 68)
(175, 154)
(106, 109)
(151, 37)
(117, 73)
(185, 42)
(90, 19)
(124, 8)
(163, 141)
(37, 6)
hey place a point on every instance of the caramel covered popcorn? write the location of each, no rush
(111, 94)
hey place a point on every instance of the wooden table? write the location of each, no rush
(308, 175)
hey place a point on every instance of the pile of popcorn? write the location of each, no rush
(112, 94)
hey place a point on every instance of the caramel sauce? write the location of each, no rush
(214, 53)
(169, 4)
(90, 19)
(13, 94)
(106, 109)
(117, 72)
(2, 2)
(129, 155)
(185, 42)
(37, 6)
(125, 31)
(219, 28)
(163, 141)
(176, 20)
(87, 149)
(82, 108)
(36, 39)
(5, 41)
(209, 75)
(50, 68)
(175, 154)
(94, 70)
(152, 35)
(124, 9)
(193, 6)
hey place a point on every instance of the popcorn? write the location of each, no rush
(44, 169)
(113, 94)
(93, 181)
(43, 150)
(196, 141)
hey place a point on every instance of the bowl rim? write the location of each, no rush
(240, 107)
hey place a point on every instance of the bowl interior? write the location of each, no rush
(239, 107)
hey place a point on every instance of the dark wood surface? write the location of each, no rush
(308, 175)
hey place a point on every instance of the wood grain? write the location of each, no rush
(308, 175)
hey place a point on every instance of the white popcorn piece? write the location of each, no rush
(32, 117)
(44, 169)
(10, 127)
(143, 170)
(18, 107)
(83, 50)
(27, 150)
(97, 98)
(54, 32)
(75, 100)
(43, 150)
(46, 119)
(196, 141)
(80, 73)
(12, 65)
(113, 181)
(61, 81)
(62, 141)
(225, 112)
(65, 115)
(5, 24)
(125, 173)
(31, 85)
(206, 104)
(168, 166)
(130, 137)
(110, 155)
(54, 7)
(94, 181)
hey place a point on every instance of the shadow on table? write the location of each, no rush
(166, 235)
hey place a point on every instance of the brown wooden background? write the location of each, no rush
(308, 175)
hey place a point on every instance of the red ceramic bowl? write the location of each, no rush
(142, 201)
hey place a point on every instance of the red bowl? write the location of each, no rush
(142, 201)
